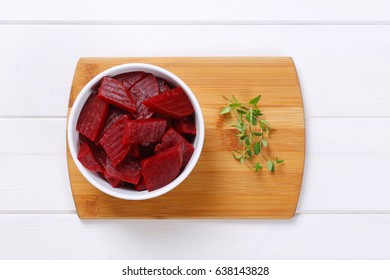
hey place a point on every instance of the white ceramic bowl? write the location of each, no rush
(73, 135)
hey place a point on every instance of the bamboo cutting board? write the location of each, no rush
(219, 186)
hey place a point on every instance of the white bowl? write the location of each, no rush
(73, 135)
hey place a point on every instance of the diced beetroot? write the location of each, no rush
(100, 155)
(135, 151)
(130, 79)
(92, 117)
(185, 126)
(115, 93)
(87, 158)
(112, 141)
(162, 85)
(144, 89)
(172, 138)
(161, 169)
(129, 170)
(172, 103)
(113, 115)
(115, 183)
(144, 131)
(147, 151)
(141, 185)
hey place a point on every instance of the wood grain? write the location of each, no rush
(218, 187)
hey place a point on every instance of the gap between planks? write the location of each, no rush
(178, 23)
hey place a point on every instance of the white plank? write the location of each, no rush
(37, 183)
(39, 136)
(343, 69)
(304, 237)
(173, 11)
(346, 169)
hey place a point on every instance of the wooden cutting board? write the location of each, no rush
(219, 186)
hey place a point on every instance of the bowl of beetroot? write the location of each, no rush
(135, 131)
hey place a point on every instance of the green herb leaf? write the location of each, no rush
(270, 166)
(241, 111)
(254, 121)
(258, 167)
(262, 125)
(266, 123)
(251, 139)
(234, 105)
(236, 154)
(225, 110)
(255, 100)
(248, 116)
(257, 148)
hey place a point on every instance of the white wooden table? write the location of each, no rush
(342, 53)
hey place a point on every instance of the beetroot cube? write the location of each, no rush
(172, 138)
(115, 183)
(144, 89)
(144, 131)
(129, 170)
(114, 114)
(161, 169)
(185, 126)
(147, 151)
(134, 151)
(141, 185)
(87, 158)
(162, 85)
(112, 141)
(172, 103)
(115, 93)
(92, 117)
(130, 79)
(100, 156)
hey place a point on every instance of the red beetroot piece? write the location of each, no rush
(130, 79)
(87, 158)
(113, 115)
(129, 170)
(172, 138)
(115, 183)
(144, 89)
(161, 169)
(185, 126)
(112, 141)
(141, 185)
(115, 93)
(144, 131)
(92, 117)
(162, 85)
(172, 103)
(101, 157)
(134, 151)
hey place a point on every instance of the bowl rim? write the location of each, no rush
(92, 177)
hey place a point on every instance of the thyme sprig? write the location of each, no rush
(252, 131)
